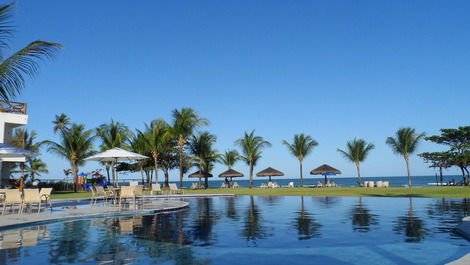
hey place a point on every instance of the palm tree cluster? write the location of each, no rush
(180, 145)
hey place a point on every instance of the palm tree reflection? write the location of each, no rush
(231, 210)
(253, 229)
(362, 219)
(411, 226)
(305, 223)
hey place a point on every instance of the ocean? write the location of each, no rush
(395, 181)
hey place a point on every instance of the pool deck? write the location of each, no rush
(66, 210)
(80, 208)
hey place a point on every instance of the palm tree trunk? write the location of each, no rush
(22, 177)
(301, 175)
(180, 153)
(359, 181)
(75, 176)
(251, 174)
(155, 161)
(167, 177)
(142, 172)
(407, 162)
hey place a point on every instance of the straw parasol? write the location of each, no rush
(230, 173)
(199, 174)
(269, 172)
(325, 170)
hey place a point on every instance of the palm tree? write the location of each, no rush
(112, 135)
(201, 147)
(300, 148)
(25, 140)
(357, 151)
(229, 158)
(36, 167)
(61, 122)
(405, 143)
(158, 136)
(138, 144)
(185, 121)
(21, 63)
(75, 144)
(252, 147)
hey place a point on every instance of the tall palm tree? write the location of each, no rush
(229, 158)
(301, 147)
(357, 151)
(185, 121)
(112, 135)
(75, 144)
(61, 122)
(22, 63)
(158, 138)
(252, 147)
(405, 143)
(25, 140)
(138, 144)
(201, 146)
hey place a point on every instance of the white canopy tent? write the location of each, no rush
(115, 155)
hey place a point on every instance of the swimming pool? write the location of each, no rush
(257, 230)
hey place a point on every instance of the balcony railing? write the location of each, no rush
(12, 107)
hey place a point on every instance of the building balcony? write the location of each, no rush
(13, 107)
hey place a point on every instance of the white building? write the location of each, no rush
(12, 115)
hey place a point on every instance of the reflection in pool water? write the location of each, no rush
(274, 230)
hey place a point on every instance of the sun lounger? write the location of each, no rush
(379, 184)
(291, 185)
(386, 184)
(46, 196)
(126, 193)
(235, 185)
(31, 196)
(12, 197)
(156, 188)
(263, 186)
(174, 189)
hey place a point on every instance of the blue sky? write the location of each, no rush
(331, 69)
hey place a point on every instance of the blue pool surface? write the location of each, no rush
(255, 230)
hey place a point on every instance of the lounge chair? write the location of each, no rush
(291, 185)
(133, 183)
(379, 184)
(386, 184)
(100, 193)
(235, 185)
(46, 196)
(263, 186)
(127, 192)
(139, 193)
(157, 188)
(319, 185)
(12, 197)
(31, 196)
(174, 189)
(223, 185)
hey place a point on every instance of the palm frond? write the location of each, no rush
(23, 63)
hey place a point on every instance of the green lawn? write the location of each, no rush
(441, 192)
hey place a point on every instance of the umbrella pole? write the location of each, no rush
(115, 174)
(269, 178)
(325, 178)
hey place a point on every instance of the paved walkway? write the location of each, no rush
(74, 209)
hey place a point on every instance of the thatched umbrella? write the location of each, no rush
(325, 170)
(269, 172)
(200, 174)
(230, 173)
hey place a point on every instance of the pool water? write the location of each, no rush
(255, 230)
